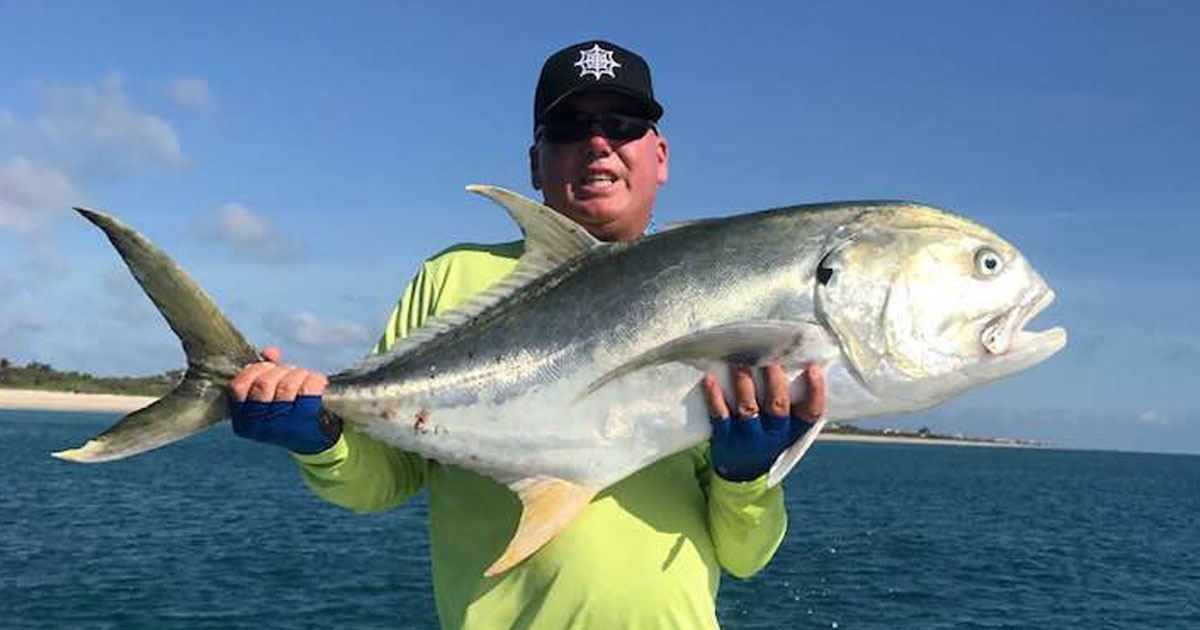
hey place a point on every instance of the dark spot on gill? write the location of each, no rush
(824, 272)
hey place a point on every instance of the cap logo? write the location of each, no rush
(597, 62)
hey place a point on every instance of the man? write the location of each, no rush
(647, 552)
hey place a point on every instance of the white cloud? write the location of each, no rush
(236, 222)
(77, 134)
(305, 330)
(1151, 416)
(95, 131)
(83, 132)
(191, 93)
(251, 235)
(31, 191)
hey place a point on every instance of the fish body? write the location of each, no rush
(516, 379)
(582, 366)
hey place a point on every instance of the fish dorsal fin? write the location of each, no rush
(551, 239)
(548, 504)
(675, 225)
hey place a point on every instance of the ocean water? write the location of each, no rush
(218, 533)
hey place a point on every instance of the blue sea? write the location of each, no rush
(218, 533)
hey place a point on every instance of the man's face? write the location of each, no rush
(607, 186)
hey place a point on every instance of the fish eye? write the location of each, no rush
(988, 262)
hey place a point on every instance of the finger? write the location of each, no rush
(714, 398)
(240, 385)
(290, 385)
(313, 385)
(813, 406)
(743, 390)
(263, 387)
(272, 354)
(777, 400)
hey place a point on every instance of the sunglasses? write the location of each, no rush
(582, 126)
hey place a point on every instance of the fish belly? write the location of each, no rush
(599, 439)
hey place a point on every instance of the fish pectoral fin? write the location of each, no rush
(754, 342)
(790, 457)
(548, 505)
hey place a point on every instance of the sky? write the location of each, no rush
(301, 159)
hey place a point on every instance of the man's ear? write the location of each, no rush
(534, 178)
(661, 152)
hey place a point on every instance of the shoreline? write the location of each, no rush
(933, 441)
(43, 400)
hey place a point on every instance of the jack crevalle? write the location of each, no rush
(582, 366)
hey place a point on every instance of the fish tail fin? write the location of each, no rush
(215, 352)
(186, 410)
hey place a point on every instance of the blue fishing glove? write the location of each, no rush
(298, 426)
(743, 450)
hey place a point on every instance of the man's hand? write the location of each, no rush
(281, 405)
(744, 447)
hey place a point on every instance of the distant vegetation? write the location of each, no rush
(924, 433)
(36, 375)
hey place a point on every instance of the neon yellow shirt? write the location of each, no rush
(646, 553)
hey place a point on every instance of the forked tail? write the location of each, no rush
(215, 352)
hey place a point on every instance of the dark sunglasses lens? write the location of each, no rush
(618, 127)
(563, 131)
(611, 126)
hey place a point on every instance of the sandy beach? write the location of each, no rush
(67, 401)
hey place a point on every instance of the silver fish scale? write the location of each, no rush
(455, 397)
(697, 272)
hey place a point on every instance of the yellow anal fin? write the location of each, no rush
(548, 505)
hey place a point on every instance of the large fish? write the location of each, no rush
(582, 366)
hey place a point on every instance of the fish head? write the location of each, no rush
(926, 304)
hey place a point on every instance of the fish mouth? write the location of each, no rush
(1006, 334)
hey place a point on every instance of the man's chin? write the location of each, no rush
(598, 210)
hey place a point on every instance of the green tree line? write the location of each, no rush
(36, 375)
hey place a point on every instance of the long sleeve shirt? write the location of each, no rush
(645, 553)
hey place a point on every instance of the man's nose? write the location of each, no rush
(597, 144)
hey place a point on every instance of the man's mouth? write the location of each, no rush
(598, 181)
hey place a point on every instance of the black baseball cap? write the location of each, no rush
(594, 65)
